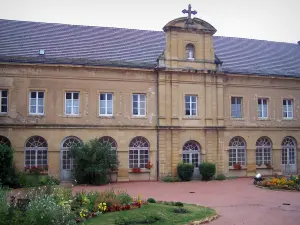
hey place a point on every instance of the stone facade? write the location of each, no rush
(165, 126)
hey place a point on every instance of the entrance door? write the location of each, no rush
(191, 154)
(289, 155)
(66, 161)
(289, 161)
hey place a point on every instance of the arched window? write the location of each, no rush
(237, 151)
(263, 151)
(138, 152)
(67, 162)
(289, 146)
(191, 153)
(109, 141)
(190, 51)
(36, 152)
(5, 141)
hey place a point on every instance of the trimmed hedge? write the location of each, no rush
(207, 170)
(185, 171)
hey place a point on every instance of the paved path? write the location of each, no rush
(238, 201)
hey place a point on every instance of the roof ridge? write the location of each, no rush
(81, 25)
(281, 42)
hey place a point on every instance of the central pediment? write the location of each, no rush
(195, 24)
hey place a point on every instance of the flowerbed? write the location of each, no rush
(57, 206)
(288, 183)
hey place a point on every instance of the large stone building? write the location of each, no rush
(165, 97)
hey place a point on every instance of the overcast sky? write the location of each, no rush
(274, 20)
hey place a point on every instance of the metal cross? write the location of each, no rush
(189, 12)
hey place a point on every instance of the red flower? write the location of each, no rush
(149, 165)
(136, 170)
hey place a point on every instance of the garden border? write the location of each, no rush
(205, 220)
(278, 189)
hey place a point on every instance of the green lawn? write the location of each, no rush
(164, 211)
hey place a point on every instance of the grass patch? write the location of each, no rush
(164, 215)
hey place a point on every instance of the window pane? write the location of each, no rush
(76, 103)
(68, 95)
(32, 109)
(40, 94)
(194, 112)
(40, 102)
(33, 94)
(135, 105)
(110, 104)
(75, 110)
(259, 101)
(109, 96)
(143, 112)
(187, 98)
(76, 95)
(32, 102)
(289, 114)
(284, 102)
(102, 111)
(68, 110)
(109, 111)
(142, 97)
(135, 111)
(4, 93)
(142, 105)
(41, 109)
(194, 106)
(102, 96)
(134, 97)
(3, 108)
(3, 101)
(194, 99)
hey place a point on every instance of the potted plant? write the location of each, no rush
(237, 166)
(268, 165)
(136, 170)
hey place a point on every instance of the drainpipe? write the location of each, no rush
(157, 126)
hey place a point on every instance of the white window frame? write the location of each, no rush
(105, 104)
(1, 101)
(190, 102)
(264, 113)
(36, 105)
(72, 105)
(235, 99)
(139, 105)
(286, 108)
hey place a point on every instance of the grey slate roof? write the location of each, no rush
(21, 41)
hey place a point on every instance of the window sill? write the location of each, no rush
(243, 168)
(142, 171)
(138, 117)
(106, 117)
(289, 119)
(72, 116)
(263, 119)
(3, 114)
(263, 167)
(191, 118)
(239, 119)
(36, 115)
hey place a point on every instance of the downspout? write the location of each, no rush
(157, 125)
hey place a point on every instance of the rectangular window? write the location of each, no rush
(263, 108)
(138, 158)
(139, 104)
(106, 104)
(36, 102)
(3, 101)
(288, 108)
(190, 105)
(237, 155)
(72, 103)
(236, 107)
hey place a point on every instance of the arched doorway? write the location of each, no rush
(191, 154)
(289, 155)
(66, 161)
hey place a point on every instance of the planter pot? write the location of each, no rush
(238, 173)
(113, 177)
(139, 176)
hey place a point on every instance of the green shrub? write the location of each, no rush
(44, 210)
(185, 171)
(29, 180)
(207, 170)
(4, 207)
(170, 179)
(179, 204)
(8, 174)
(124, 198)
(220, 176)
(150, 218)
(151, 200)
(180, 210)
(94, 161)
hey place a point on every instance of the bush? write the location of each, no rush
(220, 176)
(8, 174)
(170, 179)
(185, 171)
(151, 200)
(207, 170)
(147, 219)
(44, 210)
(4, 207)
(124, 198)
(94, 161)
(180, 210)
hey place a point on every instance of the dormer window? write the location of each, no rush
(190, 51)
